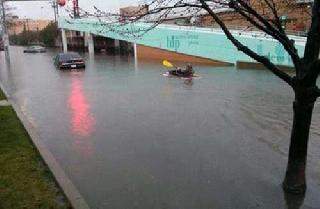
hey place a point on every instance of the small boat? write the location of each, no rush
(180, 73)
(182, 76)
(188, 73)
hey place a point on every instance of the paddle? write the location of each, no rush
(167, 64)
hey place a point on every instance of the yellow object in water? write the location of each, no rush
(166, 63)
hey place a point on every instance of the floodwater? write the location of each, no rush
(130, 138)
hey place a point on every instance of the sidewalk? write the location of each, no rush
(25, 180)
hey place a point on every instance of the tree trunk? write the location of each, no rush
(295, 179)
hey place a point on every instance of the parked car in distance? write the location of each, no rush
(35, 49)
(69, 60)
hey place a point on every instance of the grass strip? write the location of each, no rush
(25, 181)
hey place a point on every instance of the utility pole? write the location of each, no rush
(55, 10)
(5, 36)
(76, 12)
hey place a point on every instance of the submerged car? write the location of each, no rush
(35, 49)
(69, 60)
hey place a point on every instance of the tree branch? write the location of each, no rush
(279, 34)
(274, 69)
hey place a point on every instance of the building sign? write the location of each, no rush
(280, 56)
(174, 41)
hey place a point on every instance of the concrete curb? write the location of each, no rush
(4, 91)
(4, 103)
(61, 178)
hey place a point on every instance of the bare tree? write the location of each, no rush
(264, 15)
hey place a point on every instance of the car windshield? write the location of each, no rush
(70, 56)
(35, 47)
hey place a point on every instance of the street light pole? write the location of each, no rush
(57, 10)
(54, 10)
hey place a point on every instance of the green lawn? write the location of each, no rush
(2, 96)
(25, 181)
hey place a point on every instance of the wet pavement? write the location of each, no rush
(130, 138)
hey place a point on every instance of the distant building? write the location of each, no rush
(295, 16)
(127, 13)
(18, 25)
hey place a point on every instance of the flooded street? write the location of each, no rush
(130, 138)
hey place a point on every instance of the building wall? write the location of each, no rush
(73, 34)
(145, 52)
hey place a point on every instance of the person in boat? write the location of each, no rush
(177, 71)
(188, 72)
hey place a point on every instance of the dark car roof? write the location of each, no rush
(69, 56)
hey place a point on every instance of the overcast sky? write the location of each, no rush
(43, 10)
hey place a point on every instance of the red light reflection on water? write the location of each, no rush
(82, 121)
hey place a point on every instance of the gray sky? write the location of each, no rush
(42, 10)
